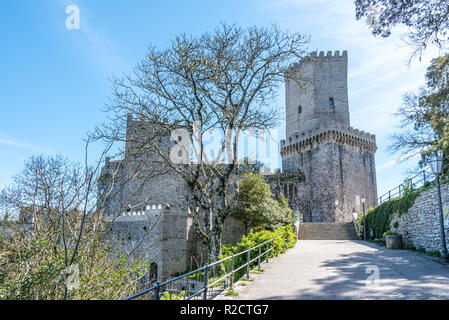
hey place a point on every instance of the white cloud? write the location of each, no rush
(23, 145)
(402, 158)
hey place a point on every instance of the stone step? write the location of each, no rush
(327, 231)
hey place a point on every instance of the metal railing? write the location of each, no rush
(212, 279)
(423, 178)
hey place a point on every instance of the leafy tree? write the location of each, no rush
(256, 207)
(224, 80)
(427, 113)
(427, 21)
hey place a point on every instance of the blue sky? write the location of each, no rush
(55, 81)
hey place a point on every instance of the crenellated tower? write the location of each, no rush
(336, 159)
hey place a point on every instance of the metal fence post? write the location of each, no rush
(268, 253)
(156, 290)
(232, 270)
(205, 282)
(258, 258)
(247, 266)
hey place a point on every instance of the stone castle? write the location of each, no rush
(336, 159)
(327, 167)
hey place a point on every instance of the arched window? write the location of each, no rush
(299, 109)
(331, 102)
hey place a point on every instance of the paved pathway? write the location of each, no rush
(339, 269)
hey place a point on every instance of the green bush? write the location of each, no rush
(434, 253)
(391, 233)
(287, 240)
(409, 246)
(34, 269)
(173, 296)
(421, 249)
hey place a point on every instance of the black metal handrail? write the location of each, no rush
(415, 182)
(156, 288)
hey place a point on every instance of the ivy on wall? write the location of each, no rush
(379, 218)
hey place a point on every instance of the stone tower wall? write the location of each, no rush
(309, 85)
(339, 168)
(336, 159)
(142, 177)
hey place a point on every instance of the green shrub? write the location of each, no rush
(409, 246)
(391, 233)
(35, 269)
(434, 253)
(287, 240)
(231, 293)
(396, 225)
(421, 249)
(173, 296)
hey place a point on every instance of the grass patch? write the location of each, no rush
(231, 293)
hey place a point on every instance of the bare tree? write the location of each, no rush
(61, 225)
(224, 80)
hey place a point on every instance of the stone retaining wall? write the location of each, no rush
(420, 226)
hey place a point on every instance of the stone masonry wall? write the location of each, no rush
(166, 236)
(420, 226)
(336, 176)
(310, 84)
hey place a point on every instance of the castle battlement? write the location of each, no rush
(307, 134)
(329, 54)
(150, 210)
(337, 134)
(318, 57)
